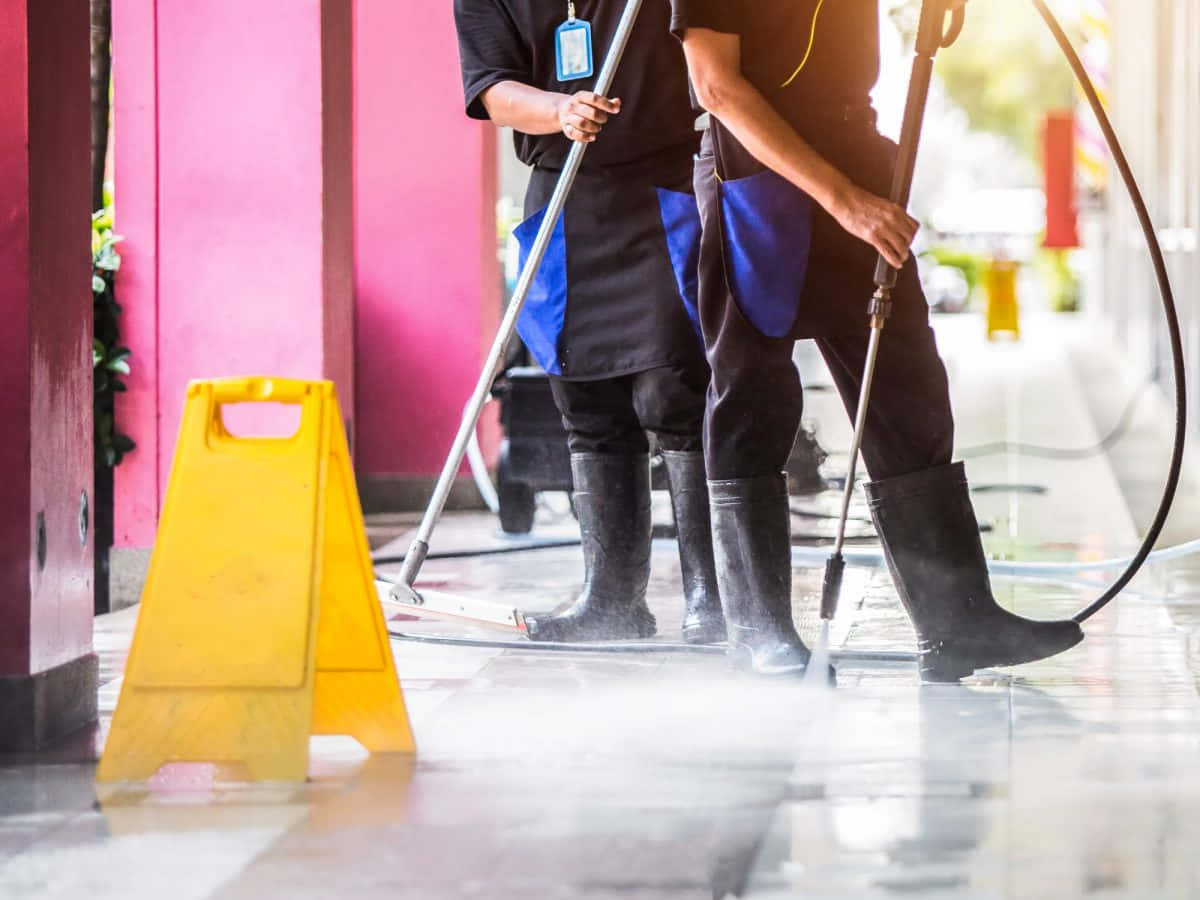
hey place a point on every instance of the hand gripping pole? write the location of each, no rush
(933, 34)
(419, 548)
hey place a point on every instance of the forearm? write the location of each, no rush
(522, 107)
(767, 136)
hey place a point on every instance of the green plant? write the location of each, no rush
(110, 360)
(1060, 281)
(972, 265)
(1005, 71)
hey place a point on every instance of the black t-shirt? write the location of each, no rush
(837, 41)
(513, 40)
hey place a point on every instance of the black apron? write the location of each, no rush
(616, 292)
(793, 271)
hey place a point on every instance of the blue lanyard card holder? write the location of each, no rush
(573, 50)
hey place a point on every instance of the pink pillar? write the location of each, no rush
(47, 670)
(428, 280)
(136, 487)
(234, 195)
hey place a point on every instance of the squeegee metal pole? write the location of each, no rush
(419, 548)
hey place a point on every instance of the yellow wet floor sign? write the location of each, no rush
(260, 624)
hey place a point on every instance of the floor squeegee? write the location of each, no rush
(404, 591)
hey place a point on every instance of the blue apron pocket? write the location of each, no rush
(767, 232)
(681, 222)
(541, 321)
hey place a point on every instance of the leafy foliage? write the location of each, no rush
(1005, 71)
(972, 265)
(110, 360)
(1061, 282)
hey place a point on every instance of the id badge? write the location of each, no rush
(573, 50)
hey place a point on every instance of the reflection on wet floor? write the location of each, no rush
(665, 776)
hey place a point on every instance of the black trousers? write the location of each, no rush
(755, 399)
(612, 415)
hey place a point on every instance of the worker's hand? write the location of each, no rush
(582, 115)
(879, 222)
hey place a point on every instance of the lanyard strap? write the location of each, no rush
(571, 11)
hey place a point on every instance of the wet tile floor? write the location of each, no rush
(662, 775)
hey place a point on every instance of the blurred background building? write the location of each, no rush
(1151, 49)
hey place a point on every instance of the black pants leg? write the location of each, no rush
(755, 399)
(754, 407)
(910, 426)
(599, 416)
(754, 403)
(612, 415)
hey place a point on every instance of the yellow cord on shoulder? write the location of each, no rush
(812, 39)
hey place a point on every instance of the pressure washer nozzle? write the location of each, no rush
(831, 590)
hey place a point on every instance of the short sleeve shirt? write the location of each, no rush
(803, 55)
(514, 40)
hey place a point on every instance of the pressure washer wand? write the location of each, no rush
(419, 549)
(933, 34)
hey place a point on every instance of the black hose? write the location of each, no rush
(545, 544)
(1168, 302)
(627, 647)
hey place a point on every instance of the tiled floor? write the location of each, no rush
(663, 776)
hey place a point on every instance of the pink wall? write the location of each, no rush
(135, 160)
(234, 195)
(45, 304)
(428, 281)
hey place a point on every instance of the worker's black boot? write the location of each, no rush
(931, 540)
(612, 501)
(703, 622)
(751, 525)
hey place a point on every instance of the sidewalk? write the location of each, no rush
(663, 776)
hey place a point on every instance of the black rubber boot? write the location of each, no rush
(931, 539)
(612, 501)
(751, 526)
(703, 622)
